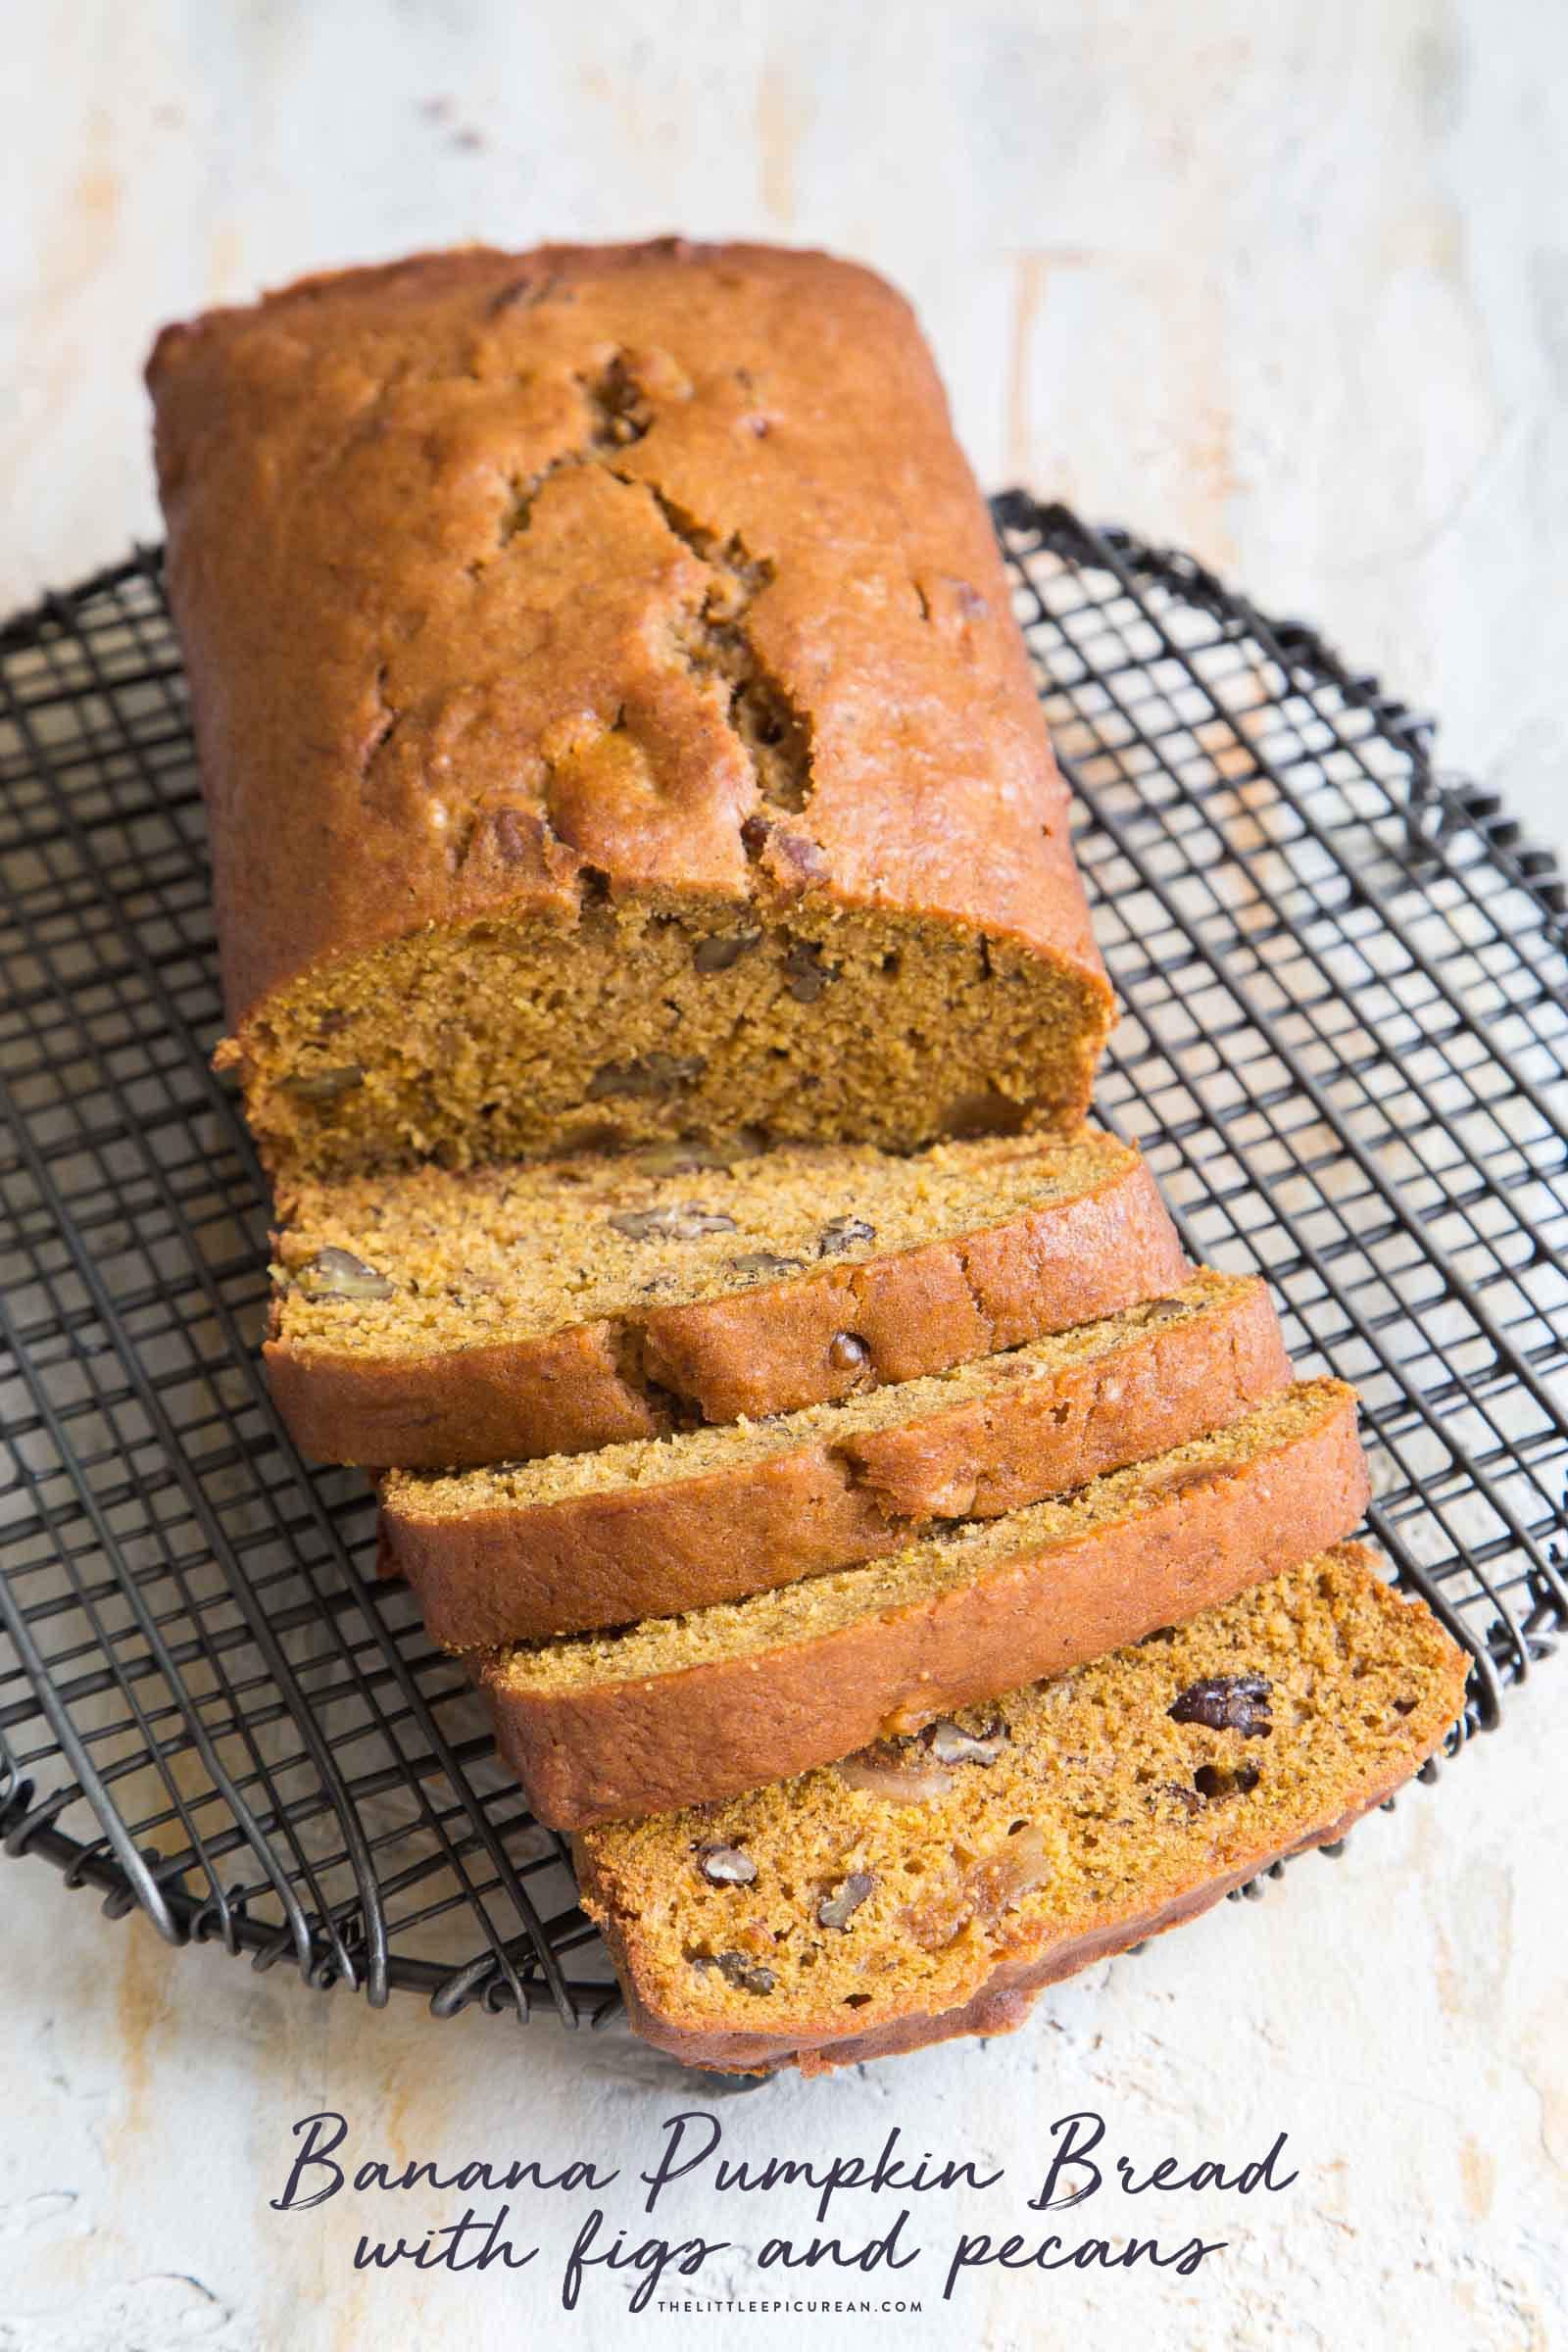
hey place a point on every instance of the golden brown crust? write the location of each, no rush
(518, 1571)
(770, 1349)
(563, 1392)
(608, 1750)
(486, 493)
(765, 1349)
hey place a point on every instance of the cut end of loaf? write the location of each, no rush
(1069, 1816)
(648, 1022)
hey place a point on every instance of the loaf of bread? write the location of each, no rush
(664, 1000)
(683, 1710)
(931, 1887)
(662, 1525)
(612, 717)
(437, 1319)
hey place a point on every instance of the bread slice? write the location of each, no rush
(436, 1320)
(681, 1710)
(869, 1908)
(660, 1525)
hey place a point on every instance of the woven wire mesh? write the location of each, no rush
(1343, 1052)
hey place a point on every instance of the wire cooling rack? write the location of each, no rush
(1342, 1051)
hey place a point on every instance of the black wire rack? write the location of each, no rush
(1344, 1052)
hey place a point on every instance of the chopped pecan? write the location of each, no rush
(717, 954)
(323, 1086)
(725, 1866)
(747, 1976)
(836, 1910)
(844, 1233)
(951, 1743)
(805, 974)
(901, 1775)
(680, 1221)
(652, 1074)
(339, 1274)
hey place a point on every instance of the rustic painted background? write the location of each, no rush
(1287, 284)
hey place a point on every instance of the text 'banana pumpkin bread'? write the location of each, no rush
(437, 1319)
(662, 1525)
(609, 730)
(682, 1710)
(931, 1887)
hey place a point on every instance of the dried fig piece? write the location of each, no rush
(836, 1910)
(1001, 1880)
(993, 1883)
(763, 1261)
(338, 1274)
(323, 1086)
(951, 1743)
(897, 1774)
(680, 1221)
(1227, 1702)
(725, 1866)
(844, 1233)
(651, 1074)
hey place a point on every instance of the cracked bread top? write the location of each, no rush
(507, 582)
(459, 545)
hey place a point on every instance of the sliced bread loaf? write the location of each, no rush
(933, 1887)
(681, 1710)
(660, 1525)
(436, 1320)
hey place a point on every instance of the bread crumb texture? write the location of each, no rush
(391, 1266)
(897, 1882)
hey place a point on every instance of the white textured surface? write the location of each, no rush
(1290, 285)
